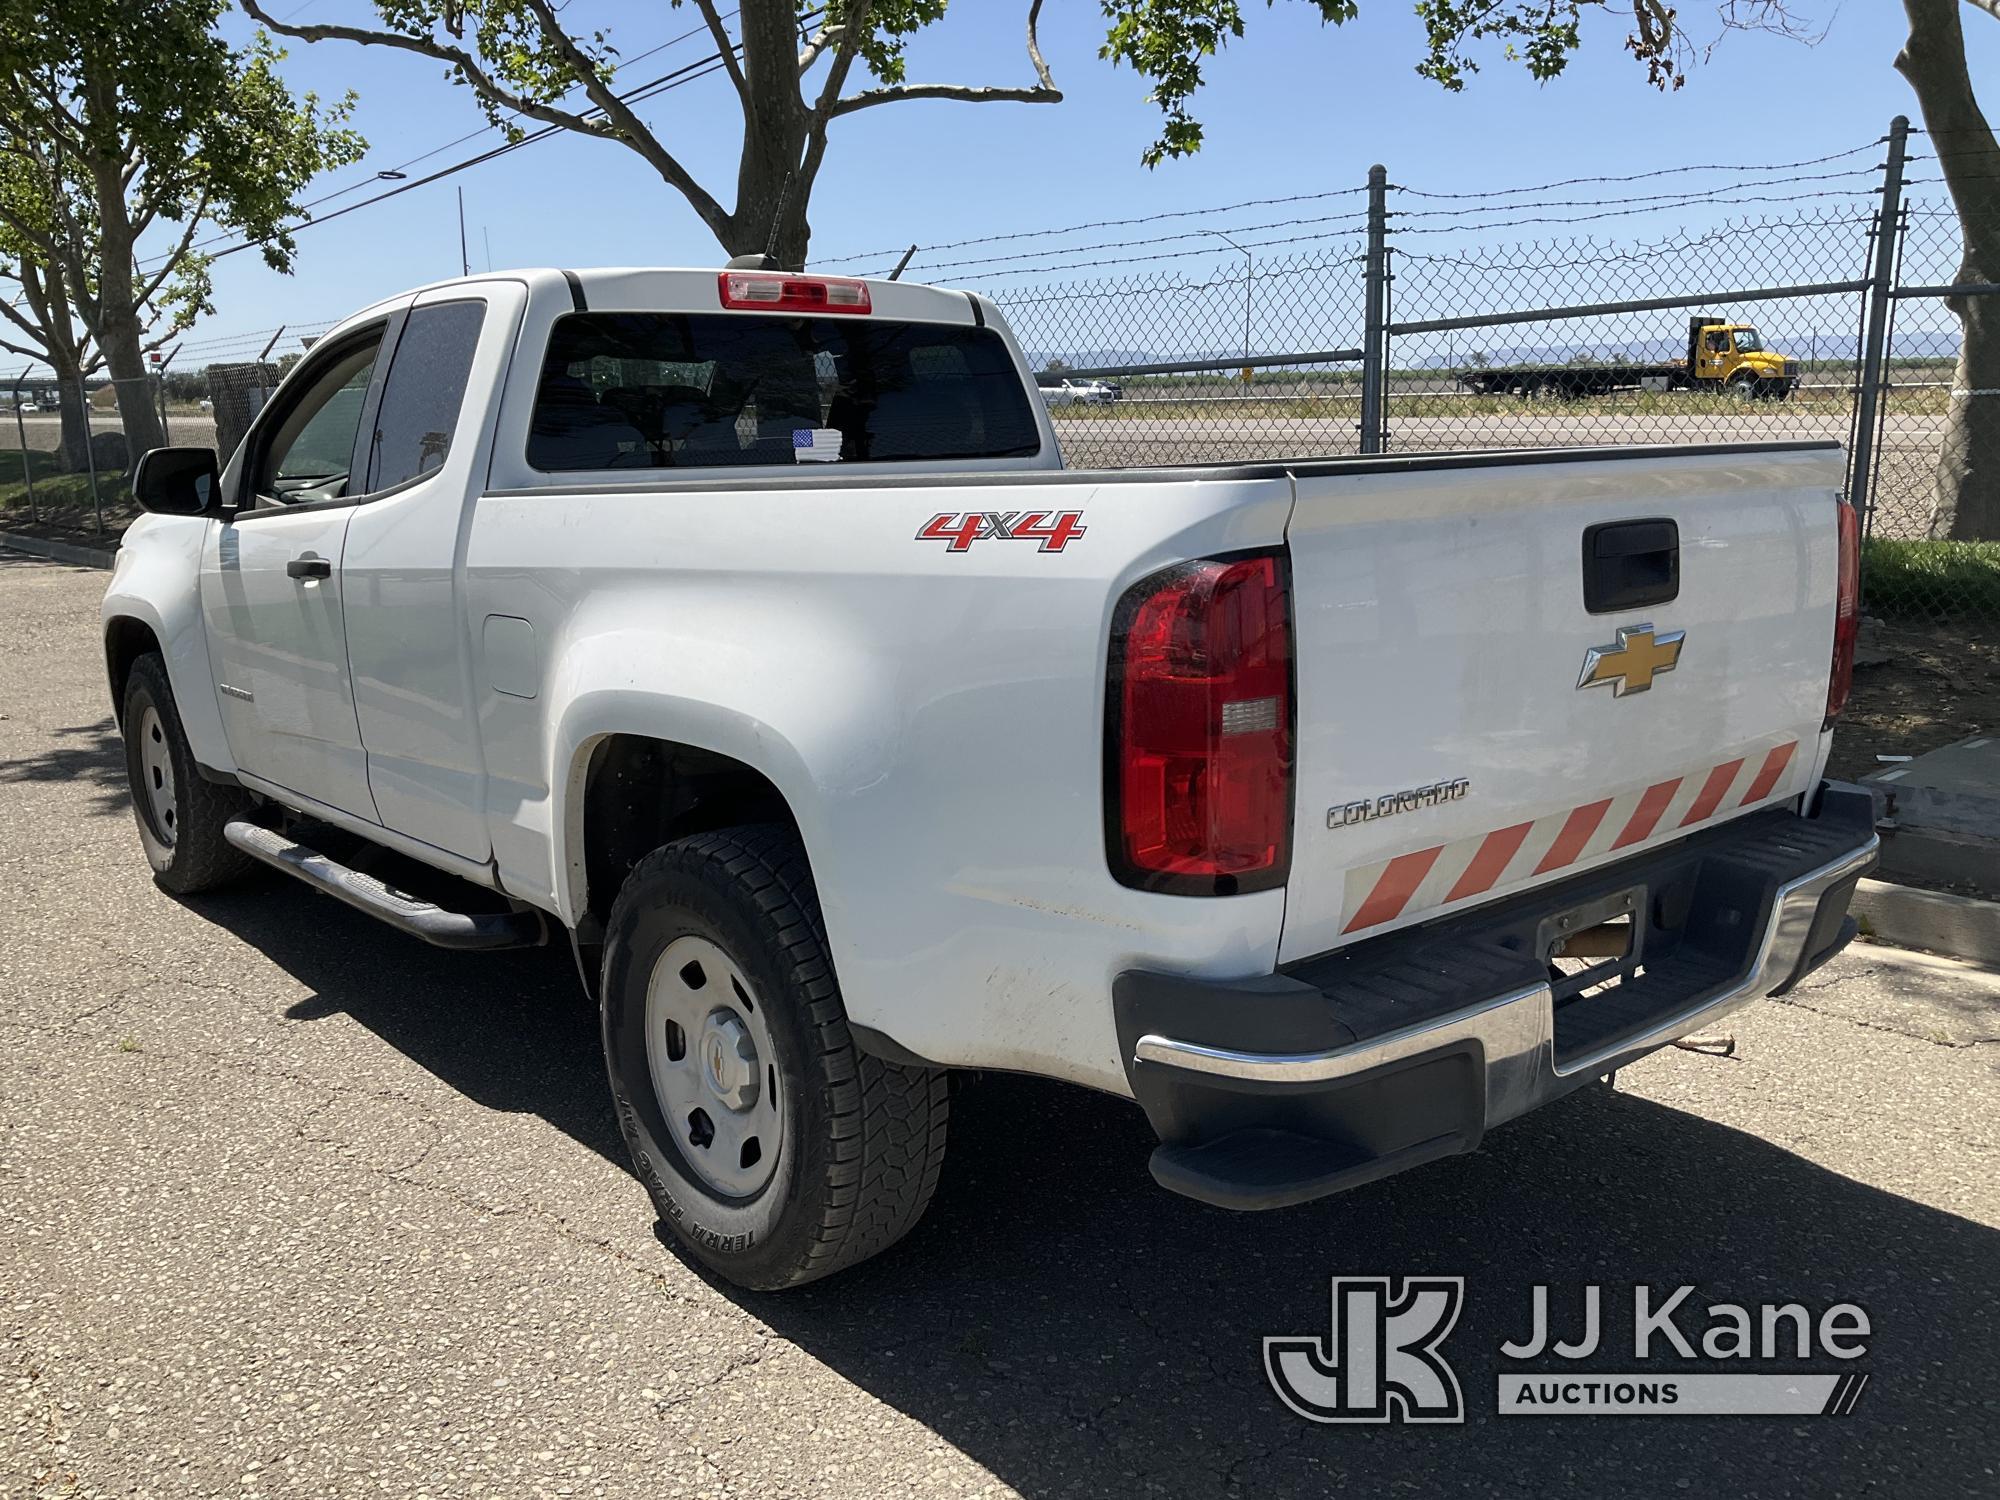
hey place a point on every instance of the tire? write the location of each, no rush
(180, 813)
(849, 1149)
(1743, 387)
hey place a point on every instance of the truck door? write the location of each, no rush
(407, 635)
(1716, 350)
(271, 593)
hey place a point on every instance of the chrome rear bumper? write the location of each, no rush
(1251, 1125)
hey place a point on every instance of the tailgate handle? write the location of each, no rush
(1629, 565)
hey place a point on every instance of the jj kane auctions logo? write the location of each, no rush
(1383, 1361)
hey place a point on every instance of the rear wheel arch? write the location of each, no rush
(639, 792)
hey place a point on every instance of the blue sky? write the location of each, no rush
(1293, 108)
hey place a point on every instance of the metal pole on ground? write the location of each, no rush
(90, 457)
(1249, 275)
(1875, 339)
(1374, 337)
(165, 431)
(21, 427)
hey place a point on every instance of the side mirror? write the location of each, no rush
(178, 482)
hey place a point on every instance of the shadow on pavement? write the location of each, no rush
(511, 1031)
(1079, 1331)
(91, 754)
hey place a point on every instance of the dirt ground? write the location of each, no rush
(1916, 688)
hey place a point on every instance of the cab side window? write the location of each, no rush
(424, 391)
(309, 454)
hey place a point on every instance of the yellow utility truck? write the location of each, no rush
(1721, 356)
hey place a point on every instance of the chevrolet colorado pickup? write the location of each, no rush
(744, 631)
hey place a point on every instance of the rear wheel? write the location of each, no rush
(775, 1150)
(180, 813)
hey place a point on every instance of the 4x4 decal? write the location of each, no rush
(959, 530)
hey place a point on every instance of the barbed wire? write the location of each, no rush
(1353, 226)
(1155, 218)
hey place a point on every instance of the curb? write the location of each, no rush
(1906, 917)
(35, 546)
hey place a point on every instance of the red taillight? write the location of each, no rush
(1846, 614)
(767, 291)
(1199, 769)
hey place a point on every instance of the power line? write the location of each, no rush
(689, 73)
(663, 84)
(491, 126)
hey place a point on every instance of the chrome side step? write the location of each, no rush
(446, 929)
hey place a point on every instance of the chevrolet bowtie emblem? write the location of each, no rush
(1631, 665)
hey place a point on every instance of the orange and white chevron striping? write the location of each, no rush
(1445, 874)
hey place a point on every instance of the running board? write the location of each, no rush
(446, 929)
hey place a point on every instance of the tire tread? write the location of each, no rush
(887, 1133)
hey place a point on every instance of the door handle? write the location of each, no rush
(1630, 565)
(309, 567)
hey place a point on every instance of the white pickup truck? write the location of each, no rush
(744, 631)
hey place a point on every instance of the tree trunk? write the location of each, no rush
(770, 213)
(1967, 485)
(119, 329)
(70, 455)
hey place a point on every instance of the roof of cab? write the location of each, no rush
(694, 289)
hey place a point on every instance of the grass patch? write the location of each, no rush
(61, 500)
(1930, 580)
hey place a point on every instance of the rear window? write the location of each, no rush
(695, 390)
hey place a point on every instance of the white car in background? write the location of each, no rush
(1077, 392)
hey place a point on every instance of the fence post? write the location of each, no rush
(1376, 311)
(160, 373)
(21, 427)
(1874, 343)
(90, 456)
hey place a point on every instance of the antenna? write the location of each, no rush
(464, 261)
(903, 264)
(778, 217)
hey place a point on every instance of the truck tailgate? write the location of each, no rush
(1468, 729)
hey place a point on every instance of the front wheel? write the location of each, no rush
(180, 813)
(775, 1150)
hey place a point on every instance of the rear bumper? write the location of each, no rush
(1402, 1049)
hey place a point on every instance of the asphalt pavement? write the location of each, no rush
(291, 1205)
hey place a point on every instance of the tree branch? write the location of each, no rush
(1044, 92)
(828, 35)
(172, 262)
(482, 82)
(722, 43)
(624, 125)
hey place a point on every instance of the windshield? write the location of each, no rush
(660, 390)
(1747, 341)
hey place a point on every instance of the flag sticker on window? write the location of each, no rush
(816, 445)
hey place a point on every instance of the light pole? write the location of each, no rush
(1249, 274)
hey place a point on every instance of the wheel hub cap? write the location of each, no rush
(714, 1067)
(156, 773)
(729, 1060)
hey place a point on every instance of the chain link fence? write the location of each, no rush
(64, 464)
(1440, 327)
(1659, 307)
